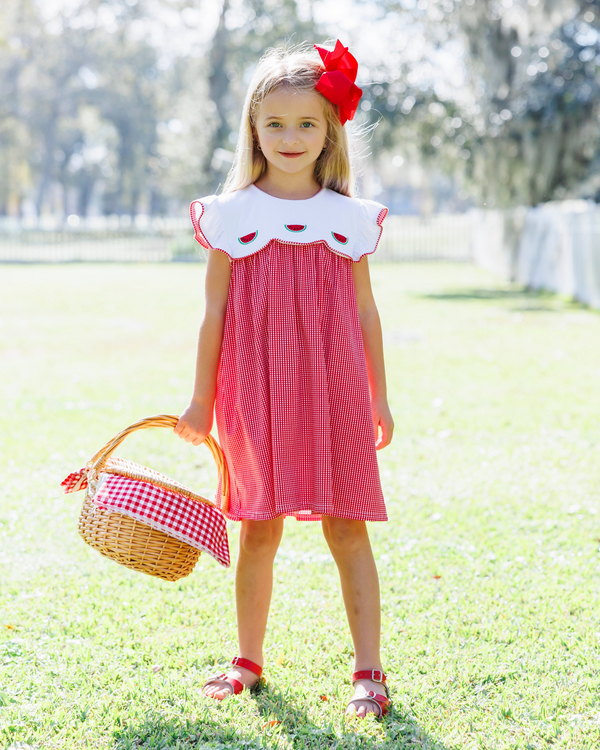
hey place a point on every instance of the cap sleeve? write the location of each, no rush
(370, 227)
(208, 225)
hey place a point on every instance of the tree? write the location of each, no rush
(538, 73)
(88, 94)
(243, 34)
(96, 103)
(523, 126)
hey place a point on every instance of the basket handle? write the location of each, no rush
(98, 460)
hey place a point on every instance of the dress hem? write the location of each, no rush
(299, 516)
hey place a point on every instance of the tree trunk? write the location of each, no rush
(49, 143)
(218, 84)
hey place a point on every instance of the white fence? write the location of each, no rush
(416, 238)
(555, 246)
(112, 239)
(405, 238)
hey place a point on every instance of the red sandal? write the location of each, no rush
(235, 685)
(382, 702)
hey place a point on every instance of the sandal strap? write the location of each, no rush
(375, 675)
(235, 685)
(381, 701)
(239, 661)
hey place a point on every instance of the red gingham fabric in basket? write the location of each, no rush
(200, 525)
(75, 481)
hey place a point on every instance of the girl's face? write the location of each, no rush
(291, 130)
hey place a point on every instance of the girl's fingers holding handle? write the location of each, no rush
(180, 429)
(184, 432)
(195, 437)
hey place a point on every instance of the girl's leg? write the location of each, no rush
(349, 543)
(259, 541)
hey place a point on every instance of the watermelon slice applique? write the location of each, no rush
(295, 227)
(248, 238)
(340, 238)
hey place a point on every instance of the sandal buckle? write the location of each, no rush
(377, 675)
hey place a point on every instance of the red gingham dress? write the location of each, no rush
(292, 406)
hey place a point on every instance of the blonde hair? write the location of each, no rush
(298, 69)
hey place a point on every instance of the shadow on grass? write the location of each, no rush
(531, 300)
(281, 719)
(397, 730)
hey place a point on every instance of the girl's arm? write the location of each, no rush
(196, 421)
(373, 343)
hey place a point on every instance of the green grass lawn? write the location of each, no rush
(489, 564)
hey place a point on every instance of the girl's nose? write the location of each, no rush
(290, 136)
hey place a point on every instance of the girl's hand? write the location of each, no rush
(195, 423)
(382, 420)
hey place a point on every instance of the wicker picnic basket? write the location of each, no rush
(152, 544)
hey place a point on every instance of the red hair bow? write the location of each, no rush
(337, 82)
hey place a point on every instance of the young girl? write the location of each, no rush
(290, 353)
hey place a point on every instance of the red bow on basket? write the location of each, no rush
(337, 82)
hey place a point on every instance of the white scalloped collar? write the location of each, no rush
(252, 218)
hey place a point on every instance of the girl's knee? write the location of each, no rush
(261, 537)
(345, 534)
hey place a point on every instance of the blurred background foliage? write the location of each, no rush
(132, 106)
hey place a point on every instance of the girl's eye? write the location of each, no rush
(307, 124)
(273, 124)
